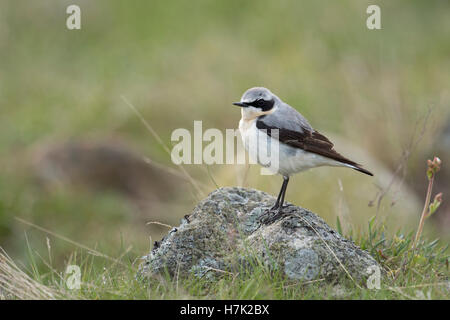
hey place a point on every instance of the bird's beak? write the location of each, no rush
(240, 104)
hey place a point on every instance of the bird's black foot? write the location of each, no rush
(273, 214)
(270, 216)
(278, 207)
(275, 207)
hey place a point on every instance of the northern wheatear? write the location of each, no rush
(267, 120)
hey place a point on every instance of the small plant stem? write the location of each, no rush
(424, 211)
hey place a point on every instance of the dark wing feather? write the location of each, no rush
(311, 141)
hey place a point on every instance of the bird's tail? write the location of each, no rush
(361, 169)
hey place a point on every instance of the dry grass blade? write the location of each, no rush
(170, 170)
(159, 224)
(16, 284)
(161, 142)
(400, 171)
(331, 250)
(89, 250)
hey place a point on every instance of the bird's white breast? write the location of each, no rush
(262, 147)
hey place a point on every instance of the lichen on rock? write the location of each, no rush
(230, 226)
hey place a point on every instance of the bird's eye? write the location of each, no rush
(259, 103)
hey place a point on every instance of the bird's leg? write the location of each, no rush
(277, 203)
(280, 200)
(284, 188)
(269, 217)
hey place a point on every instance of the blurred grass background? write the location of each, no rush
(182, 61)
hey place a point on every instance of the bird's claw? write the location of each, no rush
(273, 214)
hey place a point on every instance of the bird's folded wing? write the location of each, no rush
(307, 140)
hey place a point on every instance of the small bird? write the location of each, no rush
(266, 119)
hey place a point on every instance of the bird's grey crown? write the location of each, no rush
(257, 93)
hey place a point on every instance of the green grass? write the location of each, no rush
(424, 274)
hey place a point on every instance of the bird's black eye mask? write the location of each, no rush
(264, 105)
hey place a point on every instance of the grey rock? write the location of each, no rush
(232, 226)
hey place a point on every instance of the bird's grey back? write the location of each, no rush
(286, 117)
